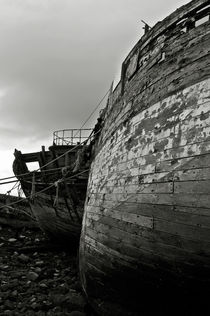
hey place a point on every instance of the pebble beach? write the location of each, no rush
(38, 277)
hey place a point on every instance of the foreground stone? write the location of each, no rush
(42, 282)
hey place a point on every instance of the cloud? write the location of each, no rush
(58, 59)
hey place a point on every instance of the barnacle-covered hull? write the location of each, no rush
(57, 191)
(146, 228)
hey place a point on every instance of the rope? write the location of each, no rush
(94, 110)
(39, 169)
(21, 211)
(14, 187)
(45, 189)
(79, 173)
(68, 151)
(64, 179)
(67, 143)
(56, 199)
(79, 145)
(7, 182)
(25, 174)
(120, 203)
(19, 175)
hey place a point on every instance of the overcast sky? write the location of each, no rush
(58, 59)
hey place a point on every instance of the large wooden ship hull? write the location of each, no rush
(146, 226)
(56, 192)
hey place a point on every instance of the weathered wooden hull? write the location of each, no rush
(57, 222)
(61, 220)
(146, 227)
(57, 201)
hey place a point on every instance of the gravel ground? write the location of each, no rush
(38, 278)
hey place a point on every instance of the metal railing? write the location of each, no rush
(71, 137)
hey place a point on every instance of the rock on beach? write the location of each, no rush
(36, 279)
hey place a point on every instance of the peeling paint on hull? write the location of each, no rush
(146, 227)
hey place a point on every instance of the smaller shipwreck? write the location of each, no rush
(57, 190)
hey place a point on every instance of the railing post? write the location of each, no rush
(70, 136)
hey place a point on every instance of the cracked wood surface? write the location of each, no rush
(147, 216)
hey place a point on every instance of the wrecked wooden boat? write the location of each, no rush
(57, 189)
(16, 212)
(146, 226)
